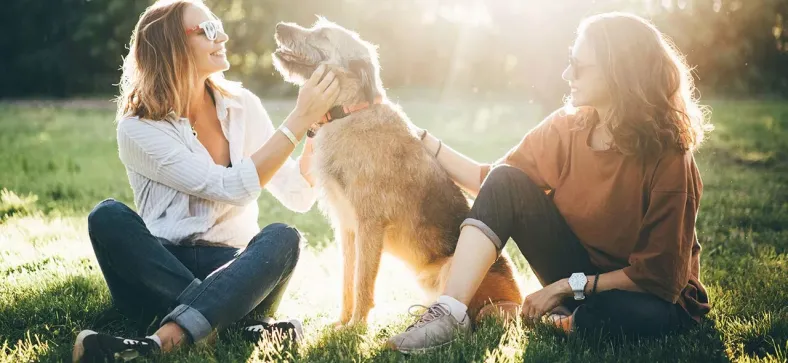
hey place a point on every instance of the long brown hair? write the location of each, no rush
(159, 70)
(654, 101)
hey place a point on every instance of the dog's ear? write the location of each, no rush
(366, 72)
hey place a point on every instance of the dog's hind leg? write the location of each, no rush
(432, 279)
(369, 249)
(348, 244)
(499, 292)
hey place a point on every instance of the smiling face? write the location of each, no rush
(209, 55)
(585, 76)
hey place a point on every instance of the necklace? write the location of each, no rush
(213, 101)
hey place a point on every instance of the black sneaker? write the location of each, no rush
(254, 330)
(145, 320)
(96, 347)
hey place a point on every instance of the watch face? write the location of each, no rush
(577, 281)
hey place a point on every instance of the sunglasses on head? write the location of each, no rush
(210, 28)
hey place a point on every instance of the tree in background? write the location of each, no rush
(63, 48)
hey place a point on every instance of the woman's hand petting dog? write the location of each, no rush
(316, 97)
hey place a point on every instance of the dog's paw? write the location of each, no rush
(356, 322)
(343, 321)
(350, 325)
(505, 310)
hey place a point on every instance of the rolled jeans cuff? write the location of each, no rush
(486, 230)
(188, 318)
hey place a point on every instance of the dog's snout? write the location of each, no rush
(284, 28)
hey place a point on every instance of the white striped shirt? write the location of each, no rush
(183, 195)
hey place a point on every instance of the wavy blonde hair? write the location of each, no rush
(654, 101)
(159, 71)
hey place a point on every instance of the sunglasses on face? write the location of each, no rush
(210, 28)
(578, 68)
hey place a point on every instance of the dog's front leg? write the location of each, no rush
(369, 247)
(348, 245)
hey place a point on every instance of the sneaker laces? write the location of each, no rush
(431, 313)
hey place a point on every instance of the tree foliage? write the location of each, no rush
(72, 47)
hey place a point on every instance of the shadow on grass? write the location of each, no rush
(354, 344)
(702, 343)
(49, 316)
(41, 323)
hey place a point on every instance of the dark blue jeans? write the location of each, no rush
(200, 288)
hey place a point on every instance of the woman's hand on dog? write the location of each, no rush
(315, 98)
(541, 302)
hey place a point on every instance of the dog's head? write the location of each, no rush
(353, 60)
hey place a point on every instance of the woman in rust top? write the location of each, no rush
(601, 197)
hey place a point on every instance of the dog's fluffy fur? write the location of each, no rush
(380, 188)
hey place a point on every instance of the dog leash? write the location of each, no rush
(339, 111)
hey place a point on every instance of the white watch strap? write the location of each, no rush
(579, 295)
(289, 134)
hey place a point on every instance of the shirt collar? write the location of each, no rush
(224, 104)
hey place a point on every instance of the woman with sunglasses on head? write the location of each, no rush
(601, 197)
(198, 150)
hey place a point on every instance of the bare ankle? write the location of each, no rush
(171, 336)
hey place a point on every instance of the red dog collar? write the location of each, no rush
(339, 111)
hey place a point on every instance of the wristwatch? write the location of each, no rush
(578, 282)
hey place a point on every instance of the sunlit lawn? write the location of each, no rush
(57, 162)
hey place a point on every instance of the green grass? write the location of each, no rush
(57, 162)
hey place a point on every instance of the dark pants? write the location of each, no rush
(200, 288)
(510, 205)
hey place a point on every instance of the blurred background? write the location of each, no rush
(73, 48)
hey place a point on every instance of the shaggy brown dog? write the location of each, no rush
(380, 188)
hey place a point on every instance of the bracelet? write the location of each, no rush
(423, 134)
(596, 279)
(440, 142)
(289, 134)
